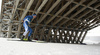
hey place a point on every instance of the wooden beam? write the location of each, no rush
(13, 13)
(79, 12)
(76, 34)
(83, 37)
(55, 35)
(53, 6)
(42, 33)
(24, 14)
(46, 8)
(66, 5)
(27, 9)
(35, 31)
(39, 13)
(94, 27)
(88, 6)
(91, 22)
(41, 6)
(70, 37)
(1, 12)
(69, 12)
(78, 40)
(65, 39)
(48, 37)
(37, 5)
(85, 22)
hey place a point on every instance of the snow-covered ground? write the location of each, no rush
(34, 48)
(92, 40)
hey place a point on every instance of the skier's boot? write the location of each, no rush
(29, 39)
(22, 37)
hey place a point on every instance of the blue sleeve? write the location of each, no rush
(29, 16)
(25, 18)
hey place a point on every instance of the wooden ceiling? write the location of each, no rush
(71, 14)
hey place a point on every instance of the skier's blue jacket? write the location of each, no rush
(28, 18)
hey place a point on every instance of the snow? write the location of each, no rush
(34, 48)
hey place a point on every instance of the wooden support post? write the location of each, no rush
(55, 35)
(59, 39)
(35, 32)
(76, 34)
(78, 40)
(42, 33)
(70, 37)
(83, 37)
(49, 34)
(13, 13)
(65, 34)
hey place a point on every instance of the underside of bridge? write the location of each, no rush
(64, 21)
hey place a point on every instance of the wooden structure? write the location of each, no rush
(64, 21)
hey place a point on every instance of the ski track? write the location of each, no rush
(33, 48)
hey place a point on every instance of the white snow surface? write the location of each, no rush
(34, 48)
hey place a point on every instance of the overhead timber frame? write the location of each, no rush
(63, 21)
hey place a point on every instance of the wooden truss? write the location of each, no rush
(64, 21)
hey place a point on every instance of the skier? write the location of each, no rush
(26, 22)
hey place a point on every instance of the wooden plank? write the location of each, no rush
(66, 5)
(54, 5)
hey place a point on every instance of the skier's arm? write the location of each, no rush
(32, 19)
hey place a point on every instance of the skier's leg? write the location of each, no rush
(26, 30)
(30, 32)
